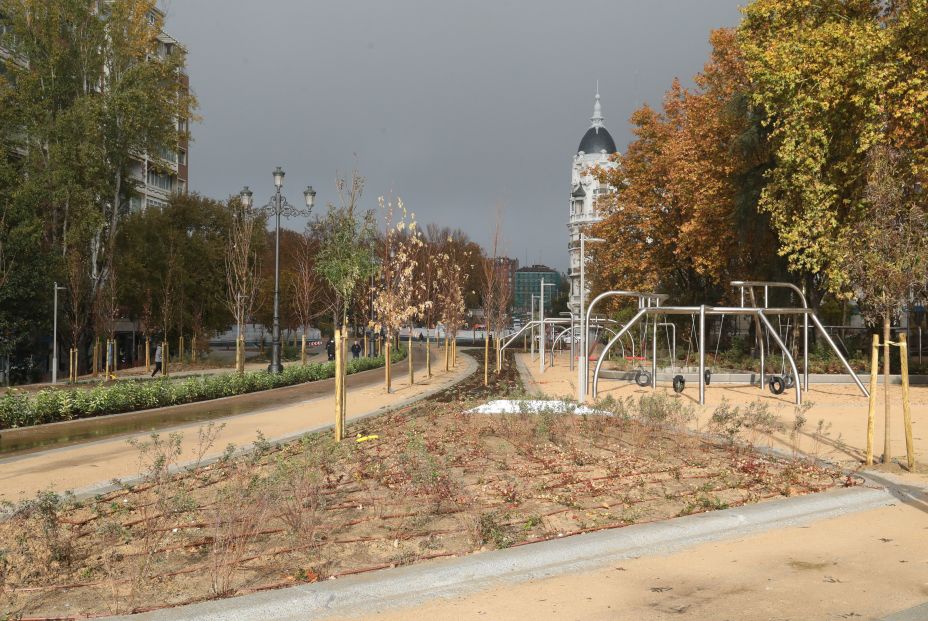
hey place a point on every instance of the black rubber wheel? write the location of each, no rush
(679, 383)
(643, 378)
(708, 376)
(777, 385)
(789, 380)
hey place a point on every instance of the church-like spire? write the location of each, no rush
(597, 118)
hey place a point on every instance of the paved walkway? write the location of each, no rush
(89, 465)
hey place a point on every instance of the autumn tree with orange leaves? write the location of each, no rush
(684, 218)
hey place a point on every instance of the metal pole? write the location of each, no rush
(602, 354)
(275, 345)
(789, 356)
(55, 338)
(584, 353)
(573, 344)
(541, 337)
(653, 351)
(847, 366)
(702, 355)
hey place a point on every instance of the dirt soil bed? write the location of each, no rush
(428, 481)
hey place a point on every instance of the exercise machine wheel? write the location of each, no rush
(777, 385)
(643, 378)
(679, 383)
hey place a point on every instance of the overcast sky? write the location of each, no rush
(458, 107)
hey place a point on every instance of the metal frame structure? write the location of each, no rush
(649, 304)
(644, 300)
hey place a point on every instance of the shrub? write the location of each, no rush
(55, 404)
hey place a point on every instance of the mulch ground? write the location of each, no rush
(425, 482)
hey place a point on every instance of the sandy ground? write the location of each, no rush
(841, 408)
(859, 566)
(86, 465)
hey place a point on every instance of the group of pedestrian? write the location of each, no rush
(356, 349)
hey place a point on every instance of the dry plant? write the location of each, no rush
(495, 286)
(242, 506)
(307, 287)
(397, 295)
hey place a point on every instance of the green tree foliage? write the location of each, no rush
(833, 79)
(173, 258)
(345, 237)
(94, 88)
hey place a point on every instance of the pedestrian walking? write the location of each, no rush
(158, 359)
(356, 350)
(330, 348)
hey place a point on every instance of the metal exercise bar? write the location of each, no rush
(759, 313)
(789, 356)
(805, 320)
(583, 367)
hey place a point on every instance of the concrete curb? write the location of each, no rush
(416, 584)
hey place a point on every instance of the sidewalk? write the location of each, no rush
(93, 464)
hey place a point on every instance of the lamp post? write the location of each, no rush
(55, 335)
(278, 206)
(584, 350)
(541, 311)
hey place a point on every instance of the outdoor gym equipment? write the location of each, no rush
(649, 305)
(645, 300)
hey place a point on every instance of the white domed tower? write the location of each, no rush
(594, 151)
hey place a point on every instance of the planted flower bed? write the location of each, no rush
(54, 405)
(428, 481)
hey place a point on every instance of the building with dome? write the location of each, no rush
(594, 151)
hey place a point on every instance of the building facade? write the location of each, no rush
(159, 175)
(527, 282)
(595, 151)
(156, 176)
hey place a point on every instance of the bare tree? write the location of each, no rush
(890, 263)
(241, 272)
(397, 293)
(308, 288)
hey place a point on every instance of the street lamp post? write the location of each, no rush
(584, 337)
(55, 335)
(279, 206)
(541, 311)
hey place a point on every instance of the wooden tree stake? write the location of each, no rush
(338, 386)
(906, 411)
(871, 412)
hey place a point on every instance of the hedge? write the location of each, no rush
(54, 404)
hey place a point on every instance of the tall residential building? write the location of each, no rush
(527, 282)
(595, 151)
(156, 175)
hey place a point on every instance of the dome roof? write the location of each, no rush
(597, 139)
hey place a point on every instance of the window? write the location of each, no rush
(161, 181)
(182, 157)
(168, 155)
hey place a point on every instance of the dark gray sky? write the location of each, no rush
(458, 107)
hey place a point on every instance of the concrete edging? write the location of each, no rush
(416, 584)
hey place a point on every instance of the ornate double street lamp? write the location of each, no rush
(278, 206)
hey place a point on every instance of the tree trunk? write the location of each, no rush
(339, 432)
(412, 377)
(486, 357)
(886, 349)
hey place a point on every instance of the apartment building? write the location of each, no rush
(156, 175)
